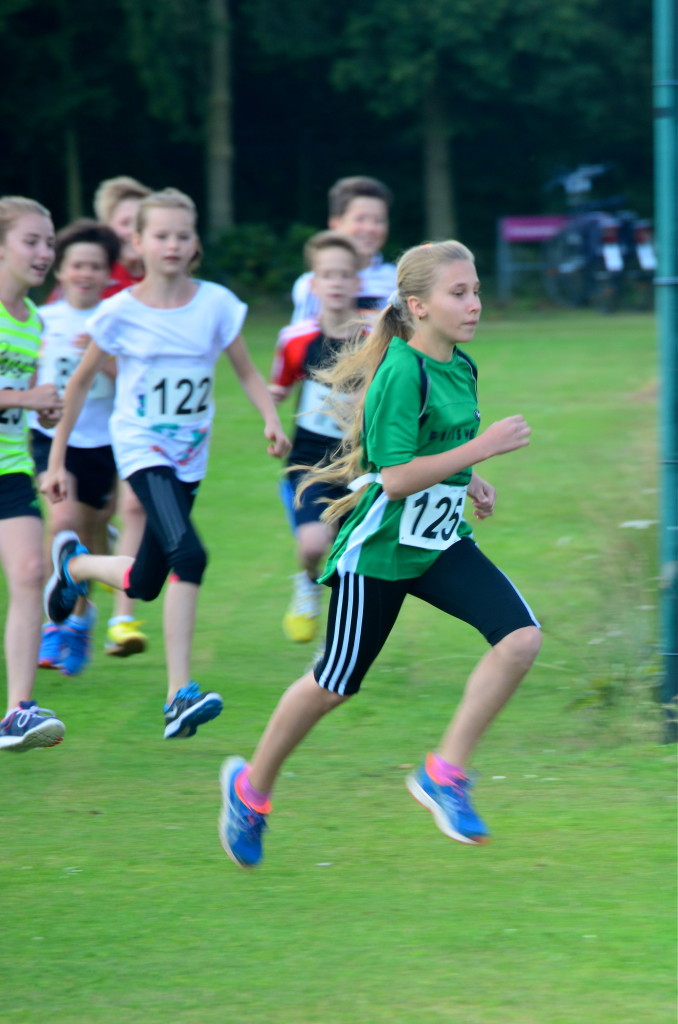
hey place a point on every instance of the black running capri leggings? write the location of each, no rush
(363, 610)
(170, 542)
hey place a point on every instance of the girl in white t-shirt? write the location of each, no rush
(84, 251)
(166, 334)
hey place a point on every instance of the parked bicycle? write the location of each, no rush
(604, 257)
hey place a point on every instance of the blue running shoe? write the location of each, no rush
(450, 806)
(28, 726)
(62, 592)
(51, 646)
(189, 709)
(240, 828)
(77, 640)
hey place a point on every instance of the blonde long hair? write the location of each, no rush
(354, 368)
(13, 207)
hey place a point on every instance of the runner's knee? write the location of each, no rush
(522, 645)
(189, 562)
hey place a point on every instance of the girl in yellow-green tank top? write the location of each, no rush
(26, 255)
(19, 349)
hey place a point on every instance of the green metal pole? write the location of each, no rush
(666, 231)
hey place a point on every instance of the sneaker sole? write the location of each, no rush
(135, 645)
(52, 582)
(229, 768)
(422, 797)
(49, 734)
(187, 723)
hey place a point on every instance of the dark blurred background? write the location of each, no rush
(254, 107)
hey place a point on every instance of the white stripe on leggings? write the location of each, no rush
(350, 605)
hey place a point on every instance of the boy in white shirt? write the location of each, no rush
(85, 251)
(358, 207)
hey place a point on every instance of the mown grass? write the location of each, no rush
(118, 903)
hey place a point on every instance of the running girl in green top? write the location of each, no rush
(26, 255)
(408, 454)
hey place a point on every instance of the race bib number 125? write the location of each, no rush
(430, 518)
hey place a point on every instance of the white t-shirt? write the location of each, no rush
(166, 362)
(59, 358)
(377, 281)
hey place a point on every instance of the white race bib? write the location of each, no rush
(178, 397)
(430, 518)
(103, 386)
(12, 422)
(312, 411)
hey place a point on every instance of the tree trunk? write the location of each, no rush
(439, 205)
(73, 173)
(218, 124)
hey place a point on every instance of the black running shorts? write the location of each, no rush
(462, 582)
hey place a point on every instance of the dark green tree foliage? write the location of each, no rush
(181, 51)
(168, 46)
(444, 99)
(60, 60)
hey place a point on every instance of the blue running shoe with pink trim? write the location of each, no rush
(240, 827)
(451, 807)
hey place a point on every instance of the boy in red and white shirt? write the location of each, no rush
(303, 349)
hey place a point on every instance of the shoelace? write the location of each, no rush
(251, 823)
(305, 596)
(189, 692)
(24, 714)
(78, 640)
(50, 642)
(134, 624)
(457, 789)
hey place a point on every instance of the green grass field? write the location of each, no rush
(118, 904)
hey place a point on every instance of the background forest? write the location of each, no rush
(254, 107)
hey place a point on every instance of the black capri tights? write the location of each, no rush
(170, 542)
(462, 582)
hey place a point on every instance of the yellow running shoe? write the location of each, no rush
(124, 638)
(301, 619)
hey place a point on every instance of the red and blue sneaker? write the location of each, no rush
(51, 646)
(76, 635)
(28, 726)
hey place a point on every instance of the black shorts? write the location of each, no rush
(313, 500)
(462, 582)
(93, 468)
(18, 496)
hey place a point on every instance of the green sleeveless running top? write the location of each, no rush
(19, 349)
